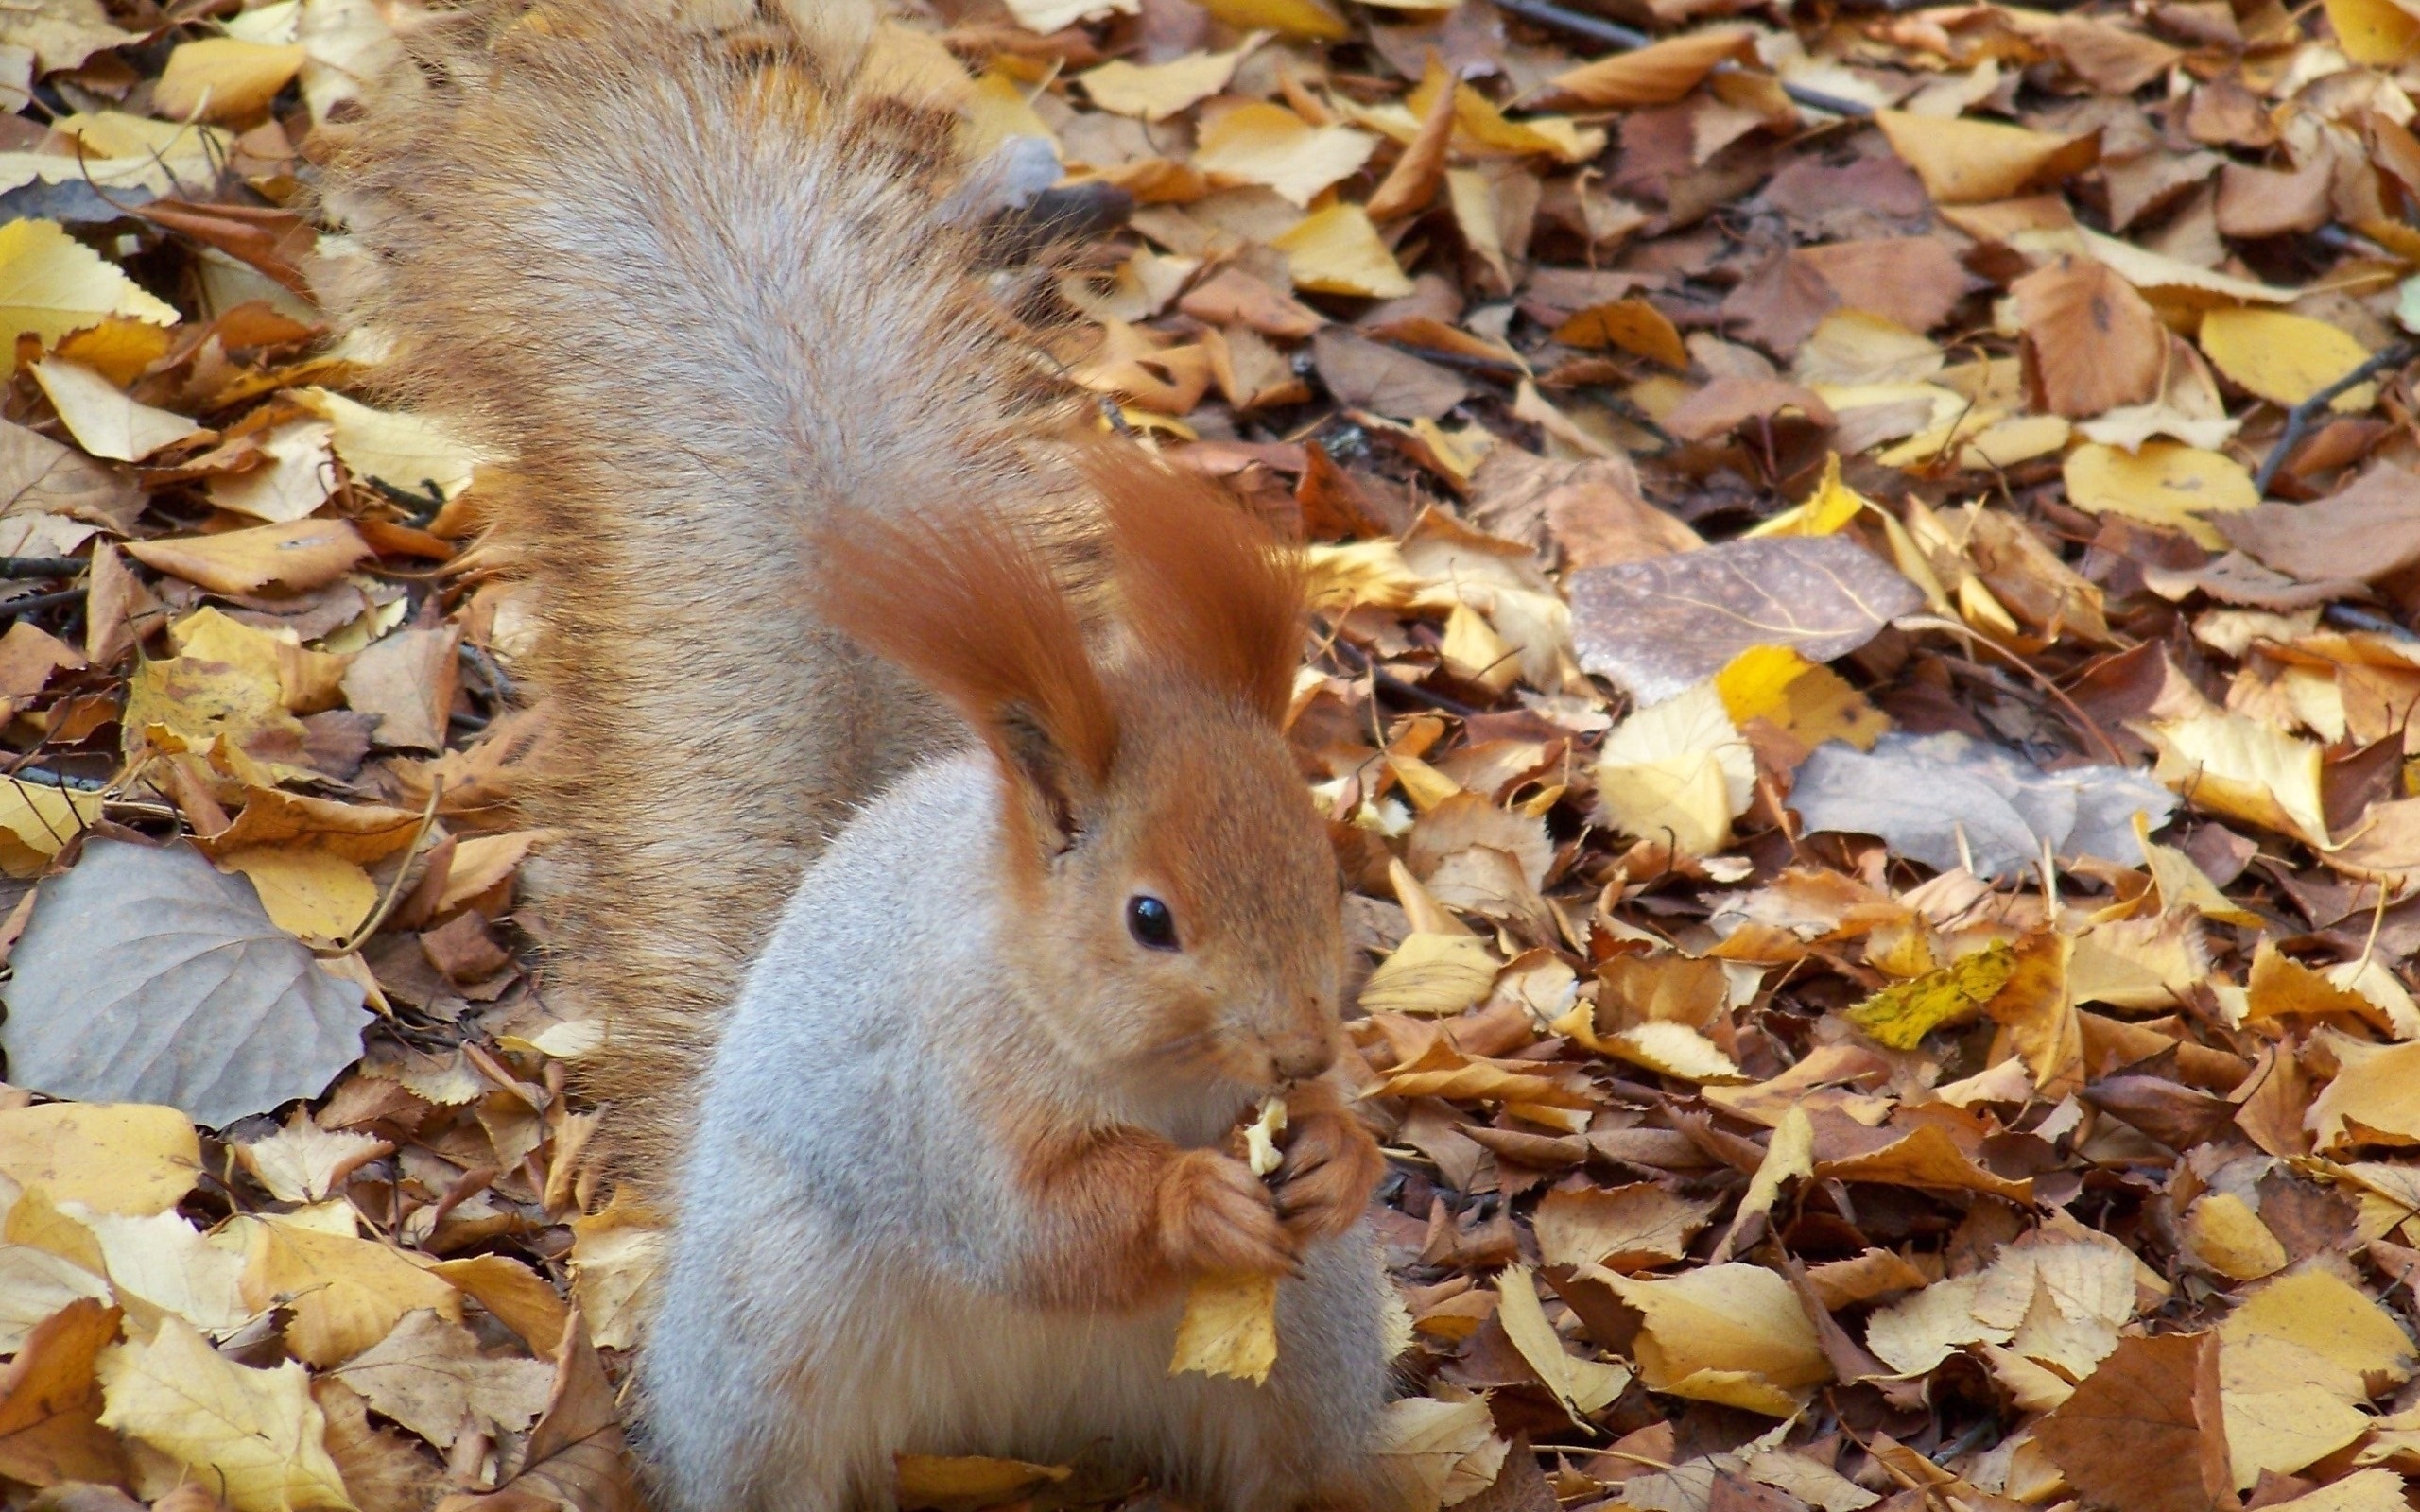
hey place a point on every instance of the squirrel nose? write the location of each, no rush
(1302, 1057)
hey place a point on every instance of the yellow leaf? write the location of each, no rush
(2375, 32)
(933, 1483)
(2313, 1328)
(51, 284)
(1677, 771)
(117, 348)
(308, 892)
(105, 421)
(295, 483)
(1903, 1013)
(2183, 884)
(2284, 357)
(1777, 684)
(1582, 1386)
(615, 1256)
(1965, 163)
(998, 109)
(1732, 1333)
(2284, 1431)
(2165, 483)
(2228, 1237)
(1337, 250)
(37, 820)
(1157, 90)
(1789, 1156)
(2374, 1097)
(123, 1158)
(222, 79)
(409, 451)
(909, 64)
(1314, 19)
(1229, 1329)
(253, 1437)
(1270, 146)
(2233, 765)
(347, 1294)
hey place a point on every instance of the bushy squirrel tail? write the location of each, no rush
(699, 286)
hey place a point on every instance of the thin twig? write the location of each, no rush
(1628, 38)
(42, 566)
(377, 919)
(1382, 677)
(2299, 417)
(16, 608)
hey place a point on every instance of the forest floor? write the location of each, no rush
(1865, 559)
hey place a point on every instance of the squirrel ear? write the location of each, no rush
(966, 605)
(1207, 587)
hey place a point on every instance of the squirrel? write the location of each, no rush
(931, 851)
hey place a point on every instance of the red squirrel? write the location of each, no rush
(932, 853)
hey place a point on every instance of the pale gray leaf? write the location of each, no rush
(1919, 793)
(1660, 627)
(146, 975)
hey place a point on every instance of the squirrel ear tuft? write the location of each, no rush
(966, 605)
(1207, 589)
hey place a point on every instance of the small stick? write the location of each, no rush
(41, 566)
(17, 608)
(2299, 417)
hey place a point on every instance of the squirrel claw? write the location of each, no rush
(1331, 1167)
(1217, 1216)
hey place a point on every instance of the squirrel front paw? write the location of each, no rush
(1217, 1216)
(1330, 1169)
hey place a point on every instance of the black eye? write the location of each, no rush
(1151, 923)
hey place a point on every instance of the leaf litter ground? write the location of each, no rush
(1866, 556)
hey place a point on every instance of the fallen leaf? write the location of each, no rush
(207, 1007)
(1622, 1229)
(50, 284)
(2144, 1431)
(429, 1375)
(50, 1403)
(1967, 163)
(303, 554)
(2286, 359)
(1660, 627)
(1337, 250)
(2162, 484)
(1734, 1333)
(1950, 801)
(123, 1158)
(254, 1435)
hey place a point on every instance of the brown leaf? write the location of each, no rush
(50, 1403)
(1729, 402)
(2091, 342)
(2144, 1432)
(1592, 508)
(1369, 375)
(1411, 183)
(1914, 281)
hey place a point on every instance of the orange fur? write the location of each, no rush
(968, 606)
(1206, 590)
